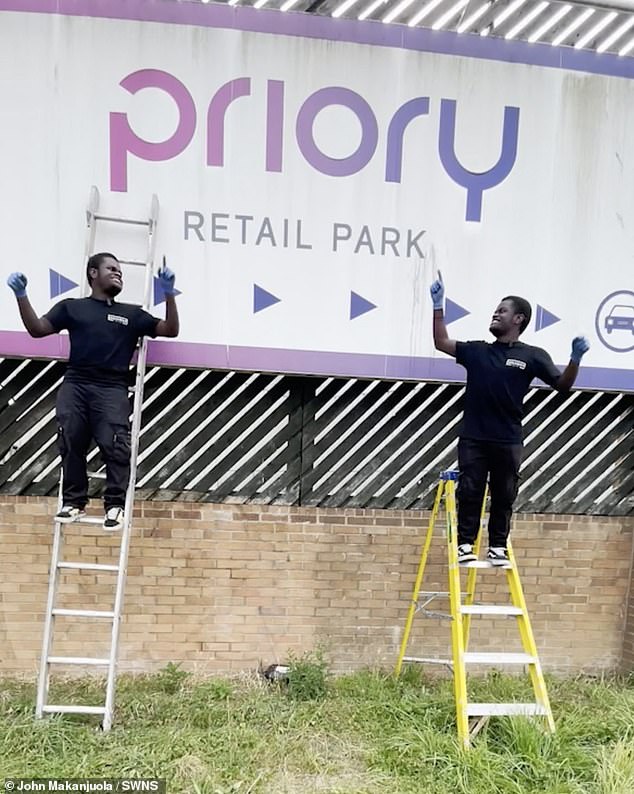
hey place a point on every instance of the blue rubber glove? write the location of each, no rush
(580, 345)
(18, 282)
(167, 279)
(437, 292)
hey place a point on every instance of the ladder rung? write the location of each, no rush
(484, 564)
(88, 660)
(134, 262)
(115, 219)
(83, 613)
(87, 566)
(427, 660)
(74, 710)
(492, 609)
(504, 709)
(87, 520)
(499, 658)
(97, 475)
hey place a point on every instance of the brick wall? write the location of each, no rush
(221, 587)
(628, 634)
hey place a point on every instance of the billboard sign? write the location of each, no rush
(313, 174)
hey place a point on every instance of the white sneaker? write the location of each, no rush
(498, 557)
(68, 514)
(465, 553)
(114, 519)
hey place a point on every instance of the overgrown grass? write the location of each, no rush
(359, 734)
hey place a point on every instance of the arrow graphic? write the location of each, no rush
(453, 311)
(359, 305)
(263, 299)
(59, 284)
(544, 318)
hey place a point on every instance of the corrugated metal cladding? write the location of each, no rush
(331, 442)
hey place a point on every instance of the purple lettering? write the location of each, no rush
(274, 124)
(220, 101)
(476, 183)
(394, 157)
(124, 141)
(333, 166)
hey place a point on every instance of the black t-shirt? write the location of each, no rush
(103, 337)
(498, 377)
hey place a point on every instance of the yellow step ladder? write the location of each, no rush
(460, 615)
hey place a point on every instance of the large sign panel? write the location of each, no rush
(313, 174)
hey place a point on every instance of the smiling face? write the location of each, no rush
(107, 277)
(506, 321)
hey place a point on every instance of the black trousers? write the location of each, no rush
(86, 411)
(478, 460)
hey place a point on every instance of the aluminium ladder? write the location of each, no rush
(460, 616)
(58, 561)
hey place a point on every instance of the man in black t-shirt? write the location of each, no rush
(490, 438)
(93, 401)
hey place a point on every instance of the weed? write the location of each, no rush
(308, 676)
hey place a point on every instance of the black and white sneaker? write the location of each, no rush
(114, 519)
(498, 557)
(465, 553)
(69, 513)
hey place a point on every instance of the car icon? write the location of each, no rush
(620, 318)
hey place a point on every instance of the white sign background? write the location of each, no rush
(557, 230)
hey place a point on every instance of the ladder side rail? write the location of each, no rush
(457, 634)
(89, 246)
(528, 639)
(129, 501)
(419, 578)
(53, 580)
(58, 538)
(47, 637)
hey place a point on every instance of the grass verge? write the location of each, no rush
(364, 733)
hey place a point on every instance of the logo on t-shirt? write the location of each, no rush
(515, 362)
(116, 318)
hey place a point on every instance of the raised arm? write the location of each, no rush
(170, 326)
(36, 326)
(566, 380)
(441, 337)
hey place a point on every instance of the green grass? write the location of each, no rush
(359, 734)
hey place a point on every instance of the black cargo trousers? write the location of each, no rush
(87, 411)
(500, 463)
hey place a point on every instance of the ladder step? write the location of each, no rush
(484, 564)
(492, 609)
(134, 262)
(87, 660)
(74, 710)
(82, 613)
(115, 219)
(427, 660)
(505, 709)
(87, 566)
(97, 475)
(499, 658)
(87, 520)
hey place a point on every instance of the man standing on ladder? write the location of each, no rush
(499, 375)
(93, 399)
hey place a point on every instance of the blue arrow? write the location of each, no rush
(359, 305)
(59, 284)
(544, 318)
(263, 299)
(453, 312)
(159, 295)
